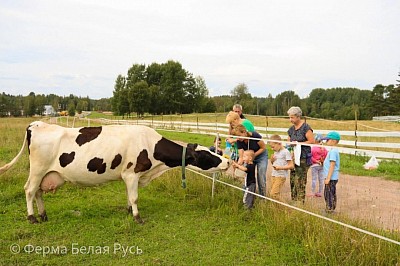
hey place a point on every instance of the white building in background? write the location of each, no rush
(49, 110)
(388, 118)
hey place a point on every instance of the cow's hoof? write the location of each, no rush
(32, 219)
(138, 219)
(43, 217)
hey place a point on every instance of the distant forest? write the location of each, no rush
(169, 89)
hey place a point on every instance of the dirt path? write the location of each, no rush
(368, 199)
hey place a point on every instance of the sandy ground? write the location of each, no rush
(368, 199)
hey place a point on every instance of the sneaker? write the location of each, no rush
(318, 195)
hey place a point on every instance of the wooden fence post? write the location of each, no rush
(355, 130)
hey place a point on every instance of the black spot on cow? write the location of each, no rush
(87, 134)
(66, 158)
(143, 162)
(116, 161)
(129, 165)
(168, 152)
(96, 165)
(28, 138)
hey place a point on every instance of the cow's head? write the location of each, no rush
(201, 158)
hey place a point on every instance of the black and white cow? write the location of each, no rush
(94, 155)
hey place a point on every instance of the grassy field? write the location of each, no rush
(90, 226)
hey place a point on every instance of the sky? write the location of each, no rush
(80, 47)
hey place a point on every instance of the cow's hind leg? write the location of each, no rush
(132, 185)
(32, 187)
(30, 193)
(40, 206)
(129, 203)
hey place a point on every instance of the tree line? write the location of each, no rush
(33, 104)
(168, 88)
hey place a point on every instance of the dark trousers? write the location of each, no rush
(248, 198)
(298, 181)
(330, 195)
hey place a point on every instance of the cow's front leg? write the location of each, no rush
(132, 186)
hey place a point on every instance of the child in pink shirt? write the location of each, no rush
(318, 155)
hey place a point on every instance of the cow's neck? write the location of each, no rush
(168, 152)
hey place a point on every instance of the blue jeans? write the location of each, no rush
(261, 162)
(317, 175)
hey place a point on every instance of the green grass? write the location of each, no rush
(182, 226)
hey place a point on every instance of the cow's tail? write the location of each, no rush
(10, 164)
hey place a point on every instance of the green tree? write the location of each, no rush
(40, 102)
(196, 93)
(155, 100)
(270, 106)
(154, 74)
(259, 104)
(344, 101)
(103, 104)
(139, 98)
(209, 106)
(4, 104)
(285, 100)
(29, 105)
(136, 73)
(117, 100)
(172, 87)
(315, 100)
(393, 99)
(82, 105)
(17, 106)
(377, 101)
(223, 103)
(71, 108)
(240, 93)
(124, 106)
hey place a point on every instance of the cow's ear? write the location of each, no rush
(192, 146)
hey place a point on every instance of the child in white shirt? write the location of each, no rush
(281, 162)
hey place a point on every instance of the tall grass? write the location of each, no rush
(182, 226)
